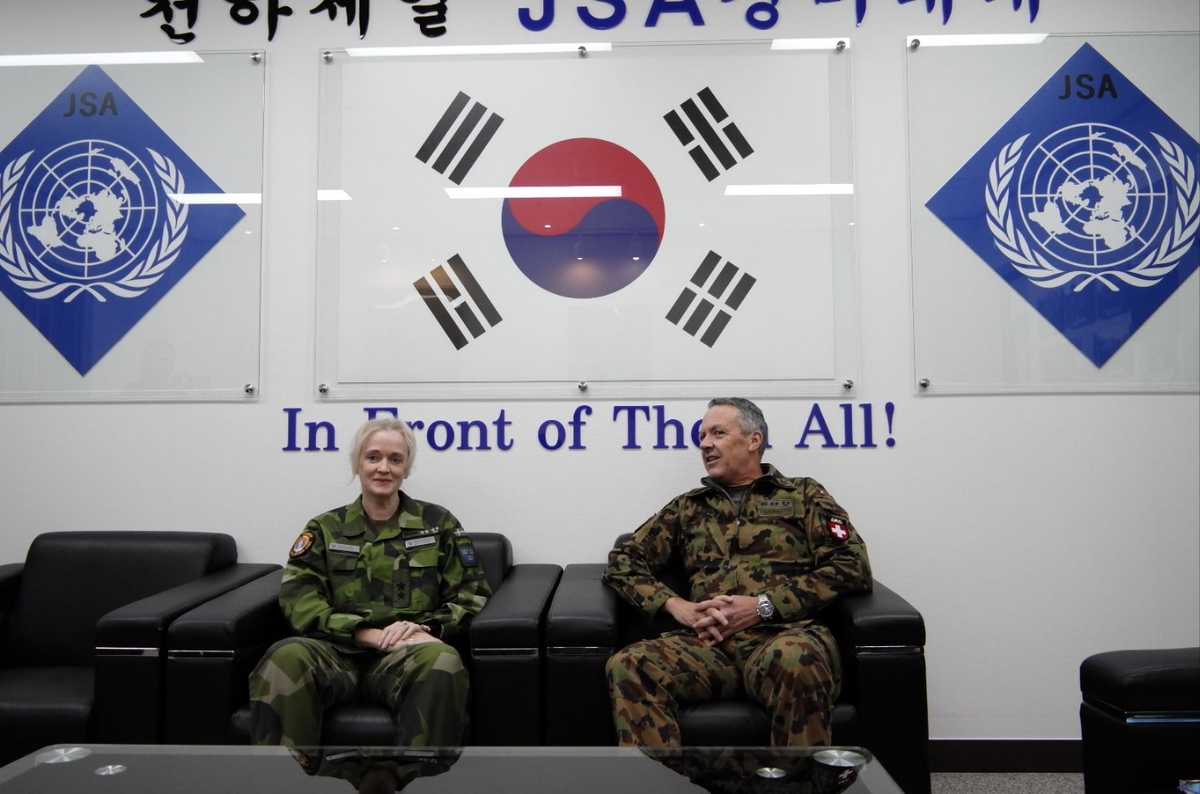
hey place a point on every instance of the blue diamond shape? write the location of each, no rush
(90, 236)
(1085, 202)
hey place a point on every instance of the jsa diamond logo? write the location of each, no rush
(93, 227)
(1085, 202)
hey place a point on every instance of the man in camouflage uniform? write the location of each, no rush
(764, 553)
(373, 601)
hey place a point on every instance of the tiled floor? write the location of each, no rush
(1013, 783)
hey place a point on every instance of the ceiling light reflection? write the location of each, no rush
(535, 192)
(821, 189)
(100, 58)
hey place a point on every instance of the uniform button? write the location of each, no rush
(741, 522)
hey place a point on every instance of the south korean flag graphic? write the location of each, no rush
(1085, 202)
(569, 219)
(93, 226)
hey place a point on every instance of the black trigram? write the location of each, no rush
(710, 127)
(465, 136)
(459, 292)
(716, 288)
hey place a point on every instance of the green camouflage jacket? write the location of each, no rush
(342, 573)
(791, 541)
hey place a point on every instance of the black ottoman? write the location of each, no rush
(1140, 720)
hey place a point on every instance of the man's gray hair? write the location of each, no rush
(750, 418)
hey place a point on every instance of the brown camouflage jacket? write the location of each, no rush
(791, 541)
(343, 573)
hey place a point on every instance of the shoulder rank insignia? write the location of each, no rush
(419, 532)
(302, 544)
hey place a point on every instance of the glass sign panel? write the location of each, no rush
(1054, 214)
(130, 229)
(646, 220)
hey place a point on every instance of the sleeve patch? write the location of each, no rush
(465, 548)
(302, 544)
(837, 528)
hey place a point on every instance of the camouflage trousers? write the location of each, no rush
(424, 686)
(794, 673)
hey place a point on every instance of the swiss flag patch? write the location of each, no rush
(837, 528)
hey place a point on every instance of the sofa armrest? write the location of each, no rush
(242, 619)
(211, 651)
(515, 615)
(507, 658)
(881, 638)
(131, 644)
(581, 633)
(877, 619)
(143, 624)
(583, 615)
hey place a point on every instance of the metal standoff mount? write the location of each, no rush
(248, 388)
(847, 384)
(583, 385)
(923, 383)
(323, 388)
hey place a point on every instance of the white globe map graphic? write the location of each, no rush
(1092, 195)
(88, 210)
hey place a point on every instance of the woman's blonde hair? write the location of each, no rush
(374, 426)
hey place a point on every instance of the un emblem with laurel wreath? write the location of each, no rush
(1091, 202)
(1086, 204)
(90, 217)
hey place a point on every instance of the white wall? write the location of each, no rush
(1030, 530)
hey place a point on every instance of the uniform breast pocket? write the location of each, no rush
(343, 571)
(417, 582)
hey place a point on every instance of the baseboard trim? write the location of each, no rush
(1005, 755)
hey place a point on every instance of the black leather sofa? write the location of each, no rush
(1140, 720)
(883, 703)
(213, 648)
(83, 631)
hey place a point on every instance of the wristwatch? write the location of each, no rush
(766, 610)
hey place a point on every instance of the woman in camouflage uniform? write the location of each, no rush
(373, 591)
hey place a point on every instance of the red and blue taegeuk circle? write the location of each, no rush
(584, 247)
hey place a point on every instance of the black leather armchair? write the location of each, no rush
(83, 629)
(214, 648)
(882, 706)
(1140, 719)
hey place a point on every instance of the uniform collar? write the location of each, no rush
(358, 523)
(769, 472)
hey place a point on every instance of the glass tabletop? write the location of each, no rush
(181, 769)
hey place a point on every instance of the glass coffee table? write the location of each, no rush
(185, 769)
